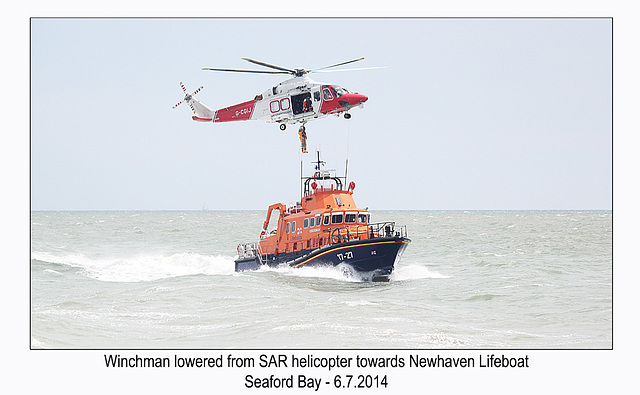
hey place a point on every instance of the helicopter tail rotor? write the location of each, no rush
(201, 111)
(188, 97)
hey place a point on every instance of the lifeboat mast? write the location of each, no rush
(320, 175)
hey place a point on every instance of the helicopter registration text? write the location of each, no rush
(243, 111)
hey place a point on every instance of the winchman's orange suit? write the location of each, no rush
(303, 139)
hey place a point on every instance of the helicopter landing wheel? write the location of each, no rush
(283, 126)
(347, 115)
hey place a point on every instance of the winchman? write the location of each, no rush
(303, 138)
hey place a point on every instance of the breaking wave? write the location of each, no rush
(142, 267)
(414, 272)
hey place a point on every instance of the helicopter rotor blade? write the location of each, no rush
(290, 71)
(246, 71)
(284, 70)
(338, 64)
(358, 69)
(178, 104)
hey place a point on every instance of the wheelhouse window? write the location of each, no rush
(338, 201)
(350, 218)
(327, 219)
(363, 218)
(288, 227)
(312, 222)
(293, 226)
(306, 222)
(317, 220)
(337, 218)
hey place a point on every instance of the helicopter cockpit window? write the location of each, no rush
(326, 94)
(338, 91)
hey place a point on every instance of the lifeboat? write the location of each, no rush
(326, 228)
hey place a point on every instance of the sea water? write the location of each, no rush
(468, 280)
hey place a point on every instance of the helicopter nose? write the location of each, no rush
(352, 99)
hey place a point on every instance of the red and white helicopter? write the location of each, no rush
(296, 100)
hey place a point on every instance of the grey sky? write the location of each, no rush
(472, 113)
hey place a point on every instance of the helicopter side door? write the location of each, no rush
(302, 104)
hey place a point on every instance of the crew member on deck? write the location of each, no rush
(303, 139)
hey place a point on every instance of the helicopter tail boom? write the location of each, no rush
(201, 111)
(238, 112)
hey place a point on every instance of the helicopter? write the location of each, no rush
(296, 100)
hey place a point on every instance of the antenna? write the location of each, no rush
(346, 168)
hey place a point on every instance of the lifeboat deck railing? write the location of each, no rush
(251, 250)
(366, 231)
